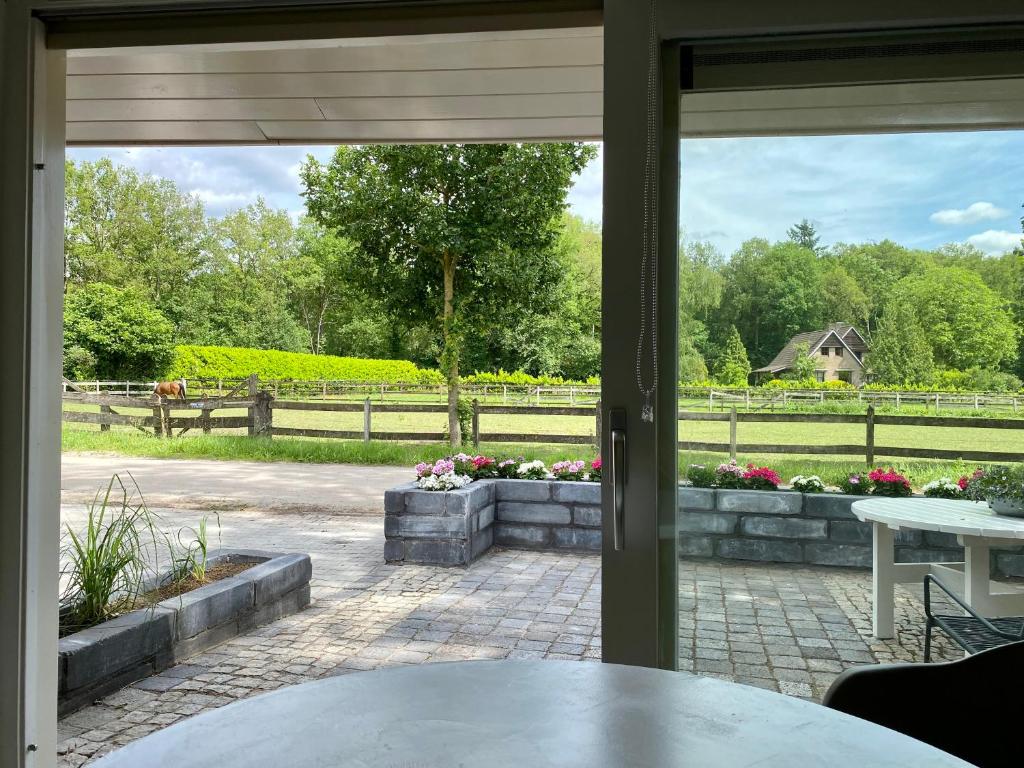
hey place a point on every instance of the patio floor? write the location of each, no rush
(787, 628)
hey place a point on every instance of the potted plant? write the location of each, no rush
(1001, 487)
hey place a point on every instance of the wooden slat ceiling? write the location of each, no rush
(476, 87)
(526, 85)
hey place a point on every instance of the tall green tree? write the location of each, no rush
(968, 324)
(804, 234)
(733, 368)
(901, 353)
(772, 292)
(132, 230)
(242, 299)
(449, 232)
(803, 364)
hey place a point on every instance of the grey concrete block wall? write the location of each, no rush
(456, 527)
(105, 658)
(766, 526)
(813, 529)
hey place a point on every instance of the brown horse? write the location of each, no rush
(174, 390)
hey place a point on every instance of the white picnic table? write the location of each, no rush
(976, 527)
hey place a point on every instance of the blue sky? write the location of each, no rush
(921, 190)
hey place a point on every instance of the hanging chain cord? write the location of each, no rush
(649, 259)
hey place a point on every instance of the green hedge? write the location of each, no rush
(522, 378)
(196, 362)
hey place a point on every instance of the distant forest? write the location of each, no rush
(146, 267)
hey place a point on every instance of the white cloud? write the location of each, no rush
(980, 211)
(996, 241)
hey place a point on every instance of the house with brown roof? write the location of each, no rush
(838, 352)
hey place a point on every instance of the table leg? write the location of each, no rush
(883, 580)
(976, 576)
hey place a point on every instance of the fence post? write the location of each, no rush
(204, 419)
(254, 390)
(711, 400)
(869, 442)
(936, 403)
(504, 394)
(476, 423)
(158, 418)
(746, 398)
(732, 433)
(168, 432)
(104, 426)
(975, 402)
(897, 400)
(597, 426)
(367, 418)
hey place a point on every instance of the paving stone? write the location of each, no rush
(778, 626)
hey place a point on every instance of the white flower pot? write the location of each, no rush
(1008, 507)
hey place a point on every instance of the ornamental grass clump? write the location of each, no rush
(889, 482)
(107, 561)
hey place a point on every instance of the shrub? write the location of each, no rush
(113, 333)
(889, 483)
(197, 362)
(807, 383)
(521, 378)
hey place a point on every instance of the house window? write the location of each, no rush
(839, 351)
(846, 376)
(819, 375)
(824, 351)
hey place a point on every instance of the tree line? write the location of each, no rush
(952, 316)
(464, 257)
(359, 275)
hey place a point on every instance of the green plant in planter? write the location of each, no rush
(190, 558)
(889, 482)
(700, 476)
(1000, 484)
(107, 562)
(856, 484)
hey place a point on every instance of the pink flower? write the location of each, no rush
(443, 466)
(423, 469)
(762, 473)
(482, 461)
(596, 464)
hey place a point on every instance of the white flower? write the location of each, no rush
(808, 484)
(446, 482)
(532, 469)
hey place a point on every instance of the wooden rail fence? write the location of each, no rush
(260, 405)
(869, 449)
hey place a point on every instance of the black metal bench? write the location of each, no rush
(971, 631)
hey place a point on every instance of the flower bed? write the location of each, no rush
(458, 471)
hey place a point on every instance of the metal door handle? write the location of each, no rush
(619, 489)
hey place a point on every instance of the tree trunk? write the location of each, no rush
(450, 355)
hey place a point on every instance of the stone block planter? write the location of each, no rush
(456, 527)
(111, 655)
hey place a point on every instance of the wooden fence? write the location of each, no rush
(869, 449)
(260, 406)
(715, 398)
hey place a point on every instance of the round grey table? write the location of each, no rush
(524, 714)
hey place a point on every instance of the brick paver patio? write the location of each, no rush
(787, 628)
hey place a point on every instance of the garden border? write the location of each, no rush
(454, 528)
(107, 657)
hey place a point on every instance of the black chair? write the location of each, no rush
(970, 631)
(969, 708)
